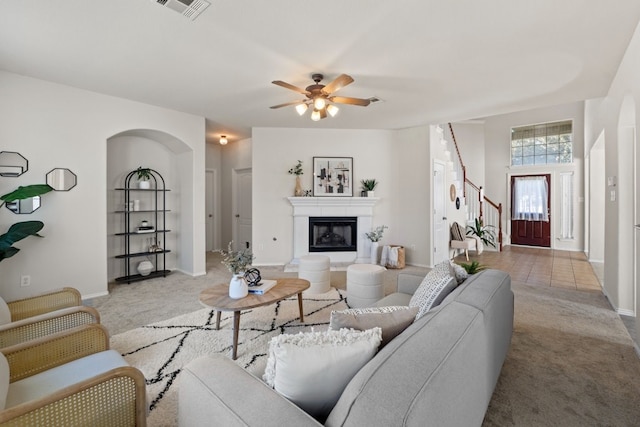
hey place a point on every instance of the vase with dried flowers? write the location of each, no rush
(237, 263)
(375, 236)
(297, 171)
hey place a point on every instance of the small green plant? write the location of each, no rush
(484, 232)
(297, 169)
(376, 235)
(236, 261)
(368, 184)
(143, 174)
(474, 267)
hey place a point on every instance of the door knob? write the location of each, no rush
(237, 215)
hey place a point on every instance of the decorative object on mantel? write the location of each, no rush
(144, 175)
(333, 176)
(237, 263)
(297, 171)
(375, 236)
(368, 185)
(308, 193)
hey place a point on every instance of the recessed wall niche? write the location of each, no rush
(12, 164)
(61, 179)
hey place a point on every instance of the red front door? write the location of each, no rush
(531, 232)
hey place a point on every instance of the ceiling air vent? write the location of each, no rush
(189, 8)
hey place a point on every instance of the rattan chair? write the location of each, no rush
(49, 383)
(46, 324)
(43, 303)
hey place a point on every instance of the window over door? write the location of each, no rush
(542, 144)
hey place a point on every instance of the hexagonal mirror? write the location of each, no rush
(61, 179)
(24, 206)
(12, 164)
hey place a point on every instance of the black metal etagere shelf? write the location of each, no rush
(158, 201)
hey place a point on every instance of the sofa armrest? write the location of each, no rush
(46, 324)
(408, 283)
(215, 390)
(44, 303)
(115, 397)
(32, 357)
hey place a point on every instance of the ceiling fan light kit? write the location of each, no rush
(321, 97)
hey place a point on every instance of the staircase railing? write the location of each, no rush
(478, 205)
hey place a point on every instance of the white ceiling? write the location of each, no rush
(430, 61)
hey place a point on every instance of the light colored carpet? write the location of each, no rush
(161, 349)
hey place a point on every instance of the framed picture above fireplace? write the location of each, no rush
(333, 176)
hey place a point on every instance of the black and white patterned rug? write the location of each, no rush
(160, 350)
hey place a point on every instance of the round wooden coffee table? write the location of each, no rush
(217, 298)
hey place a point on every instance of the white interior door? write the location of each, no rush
(243, 227)
(210, 209)
(440, 223)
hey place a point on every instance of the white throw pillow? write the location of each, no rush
(434, 288)
(312, 369)
(5, 314)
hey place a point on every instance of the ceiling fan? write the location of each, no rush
(321, 97)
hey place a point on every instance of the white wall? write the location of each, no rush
(608, 117)
(59, 126)
(399, 160)
(498, 170)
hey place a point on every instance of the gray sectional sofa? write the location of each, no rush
(440, 371)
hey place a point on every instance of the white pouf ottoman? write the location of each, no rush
(317, 270)
(364, 285)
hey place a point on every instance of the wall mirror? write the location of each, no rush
(61, 179)
(24, 206)
(12, 164)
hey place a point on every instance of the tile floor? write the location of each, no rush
(542, 267)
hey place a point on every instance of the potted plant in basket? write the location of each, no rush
(297, 171)
(368, 186)
(237, 263)
(484, 234)
(375, 236)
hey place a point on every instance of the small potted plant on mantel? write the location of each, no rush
(297, 171)
(368, 186)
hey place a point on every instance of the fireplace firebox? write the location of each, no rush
(333, 234)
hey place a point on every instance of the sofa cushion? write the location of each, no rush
(391, 319)
(54, 379)
(312, 369)
(435, 286)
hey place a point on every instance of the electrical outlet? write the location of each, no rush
(25, 281)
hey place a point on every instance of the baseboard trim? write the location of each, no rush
(625, 312)
(96, 295)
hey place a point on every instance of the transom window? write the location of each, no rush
(542, 144)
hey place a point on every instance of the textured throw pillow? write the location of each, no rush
(457, 232)
(392, 319)
(459, 272)
(435, 286)
(312, 369)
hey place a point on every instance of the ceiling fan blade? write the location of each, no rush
(290, 87)
(350, 101)
(341, 81)
(286, 104)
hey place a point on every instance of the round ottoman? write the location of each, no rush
(316, 269)
(364, 285)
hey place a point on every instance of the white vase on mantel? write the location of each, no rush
(374, 252)
(371, 193)
(238, 288)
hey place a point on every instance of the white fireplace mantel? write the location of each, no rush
(304, 207)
